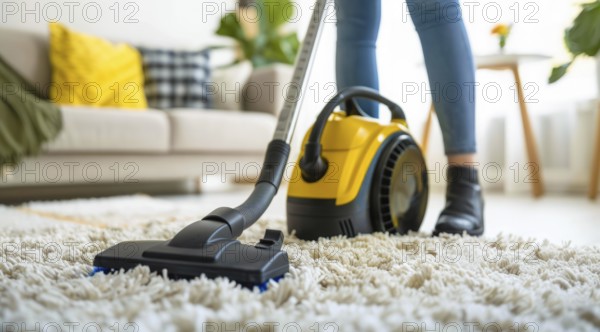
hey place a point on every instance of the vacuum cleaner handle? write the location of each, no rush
(345, 95)
(312, 164)
(348, 97)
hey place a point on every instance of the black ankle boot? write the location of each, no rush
(464, 203)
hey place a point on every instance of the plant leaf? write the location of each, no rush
(270, 45)
(230, 27)
(218, 47)
(559, 72)
(584, 35)
(275, 13)
(283, 49)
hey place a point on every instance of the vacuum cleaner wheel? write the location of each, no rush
(400, 188)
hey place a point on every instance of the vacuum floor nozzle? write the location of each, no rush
(246, 264)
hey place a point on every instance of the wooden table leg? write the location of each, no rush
(532, 154)
(197, 185)
(596, 161)
(426, 130)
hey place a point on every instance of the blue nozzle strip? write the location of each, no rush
(98, 269)
(263, 287)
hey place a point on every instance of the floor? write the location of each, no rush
(558, 218)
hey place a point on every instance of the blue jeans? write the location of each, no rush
(447, 53)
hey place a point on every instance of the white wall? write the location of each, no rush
(173, 23)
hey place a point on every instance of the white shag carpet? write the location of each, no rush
(368, 283)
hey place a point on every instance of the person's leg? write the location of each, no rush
(451, 72)
(450, 68)
(356, 62)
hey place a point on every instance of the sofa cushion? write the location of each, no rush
(176, 79)
(89, 70)
(219, 131)
(227, 84)
(267, 88)
(93, 130)
(27, 53)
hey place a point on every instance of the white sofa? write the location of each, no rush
(101, 145)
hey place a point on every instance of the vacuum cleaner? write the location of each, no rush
(357, 175)
(381, 185)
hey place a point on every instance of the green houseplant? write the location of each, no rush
(582, 38)
(268, 44)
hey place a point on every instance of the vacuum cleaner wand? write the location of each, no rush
(209, 246)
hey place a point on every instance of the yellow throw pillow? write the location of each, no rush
(88, 70)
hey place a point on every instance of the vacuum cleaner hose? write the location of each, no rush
(257, 203)
(229, 223)
(268, 182)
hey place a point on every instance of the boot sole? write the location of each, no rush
(474, 232)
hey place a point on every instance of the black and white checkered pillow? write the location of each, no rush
(176, 79)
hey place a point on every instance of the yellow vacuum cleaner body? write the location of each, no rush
(371, 176)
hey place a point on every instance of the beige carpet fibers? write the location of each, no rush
(369, 283)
